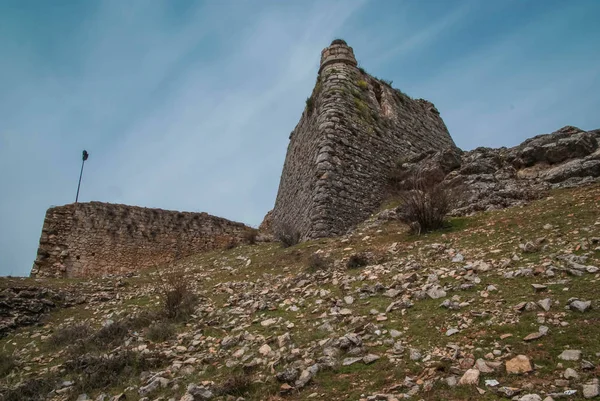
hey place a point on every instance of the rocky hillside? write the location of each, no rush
(501, 305)
(499, 178)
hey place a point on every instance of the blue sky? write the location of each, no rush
(188, 105)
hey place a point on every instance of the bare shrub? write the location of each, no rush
(250, 236)
(231, 244)
(178, 300)
(425, 206)
(288, 235)
(7, 364)
(238, 384)
(357, 260)
(317, 262)
(31, 390)
(160, 331)
(69, 335)
(98, 372)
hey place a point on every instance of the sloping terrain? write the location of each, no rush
(502, 304)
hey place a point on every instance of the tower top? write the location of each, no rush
(337, 52)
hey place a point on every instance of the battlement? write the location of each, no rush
(337, 52)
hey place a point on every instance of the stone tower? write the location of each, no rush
(352, 132)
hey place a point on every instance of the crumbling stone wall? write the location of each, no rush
(95, 239)
(354, 130)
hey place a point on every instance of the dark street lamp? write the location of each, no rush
(84, 158)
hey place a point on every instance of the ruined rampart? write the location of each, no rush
(95, 239)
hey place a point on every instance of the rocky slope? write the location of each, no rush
(501, 305)
(498, 178)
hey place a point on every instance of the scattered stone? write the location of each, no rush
(450, 332)
(571, 374)
(570, 355)
(545, 304)
(436, 292)
(471, 377)
(519, 364)
(580, 306)
(370, 358)
(591, 390)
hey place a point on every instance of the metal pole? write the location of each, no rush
(79, 185)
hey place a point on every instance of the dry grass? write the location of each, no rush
(68, 335)
(317, 262)
(98, 372)
(160, 331)
(8, 363)
(238, 384)
(357, 260)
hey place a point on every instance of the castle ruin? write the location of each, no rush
(353, 131)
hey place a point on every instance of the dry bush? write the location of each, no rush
(31, 390)
(69, 335)
(178, 300)
(317, 262)
(238, 384)
(143, 319)
(160, 331)
(425, 206)
(8, 363)
(99, 372)
(250, 236)
(111, 334)
(288, 235)
(357, 260)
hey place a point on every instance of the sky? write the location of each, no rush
(188, 105)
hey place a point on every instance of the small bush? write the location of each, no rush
(363, 84)
(111, 334)
(357, 260)
(250, 236)
(237, 384)
(7, 364)
(231, 244)
(317, 262)
(160, 331)
(98, 372)
(69, 335)
(425, 206)
(310, 104)
(178, 300)
(32, 390)
(362, 70)
(288, 235)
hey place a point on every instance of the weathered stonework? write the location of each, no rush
(95, 239)
(354, 130)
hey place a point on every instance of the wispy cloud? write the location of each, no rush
(188, 105)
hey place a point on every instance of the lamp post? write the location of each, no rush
(84, 157)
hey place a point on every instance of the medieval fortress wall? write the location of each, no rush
(95, 239)
(354, 129)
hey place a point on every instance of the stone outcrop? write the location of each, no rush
(353, 131)
(26, 305)
(95, 239)
(499, 178)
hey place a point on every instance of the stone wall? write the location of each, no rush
(95, 239)
(354, 130)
